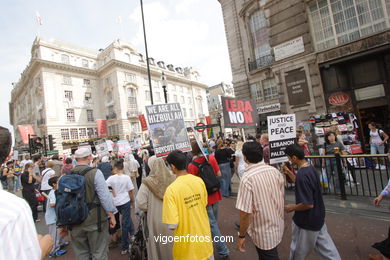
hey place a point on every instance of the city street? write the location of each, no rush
(353, 224)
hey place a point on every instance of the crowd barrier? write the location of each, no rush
(351, 175)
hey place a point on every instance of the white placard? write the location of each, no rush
(288, 49)
(101, 147)
(282, 132)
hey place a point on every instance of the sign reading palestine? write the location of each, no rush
(239, 113)
(167, 128)
(281, 132)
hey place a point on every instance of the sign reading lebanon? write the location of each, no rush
(167, 128)
(239, 113)
(282, 133)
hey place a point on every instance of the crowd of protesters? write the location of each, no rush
(176, 202)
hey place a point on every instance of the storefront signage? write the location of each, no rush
(144, 125)
(238, 113)
(338, 99)
(167, 128)
(268, 108)
(102, 128)
(288, 49)
(282, 133)
(297, 87)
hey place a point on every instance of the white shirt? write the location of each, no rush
(241, 163)
(23, 163)
(16, 224)
(47, 174)
(121, 185)
(375, 138)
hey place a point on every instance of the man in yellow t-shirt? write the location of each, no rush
(184, 210)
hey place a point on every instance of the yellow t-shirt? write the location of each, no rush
(184, 204)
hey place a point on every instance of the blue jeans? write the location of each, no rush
(377, 149)
(212, 212)
(225, 179)
(126, 225)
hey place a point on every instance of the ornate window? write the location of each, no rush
(132, 99)
(90, 115)
(260, 35)
(74, 134)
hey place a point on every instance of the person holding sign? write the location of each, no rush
(309, 231)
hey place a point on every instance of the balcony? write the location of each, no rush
(260, 62)
(41, 121)
(111, 116)
(132, 113)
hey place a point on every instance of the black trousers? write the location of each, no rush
(31, 199)
(45, 201)
(271, 254)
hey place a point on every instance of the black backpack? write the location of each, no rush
(206, 172)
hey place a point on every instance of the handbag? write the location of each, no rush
(40, 197)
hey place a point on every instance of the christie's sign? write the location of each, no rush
(338, 99)
(239, 113)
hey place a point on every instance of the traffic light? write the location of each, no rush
(51, 143)
(38, 143)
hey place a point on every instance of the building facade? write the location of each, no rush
(214, 94)
(66, 89)
(299, 56)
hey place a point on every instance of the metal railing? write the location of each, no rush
(351, 175)
(261, 62)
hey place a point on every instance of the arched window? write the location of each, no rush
(132, 99)
(260, 35)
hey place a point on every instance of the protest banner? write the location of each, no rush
(101, 147)
(239, 113)
(110, 145)
(123, 147)
(281, 132)
(167, 128)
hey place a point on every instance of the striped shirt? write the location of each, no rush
(18, 236)
(261, 193)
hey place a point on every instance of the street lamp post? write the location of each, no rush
(146, 52)
(219, 117)
(164, 86)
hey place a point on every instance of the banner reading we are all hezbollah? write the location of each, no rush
(281, 132)
(239, 113)
(167, 128)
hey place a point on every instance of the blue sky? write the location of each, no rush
(181, 32)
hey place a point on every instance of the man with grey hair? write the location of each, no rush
(90, 238)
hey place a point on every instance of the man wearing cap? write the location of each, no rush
(90, 238)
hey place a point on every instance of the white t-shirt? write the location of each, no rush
(375, 137)
(121, 185)
(47, 174)
(241, 163)
(16, 224)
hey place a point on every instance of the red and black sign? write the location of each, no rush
(338, 99)
(239, 113)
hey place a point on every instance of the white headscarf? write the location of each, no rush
(131, 165)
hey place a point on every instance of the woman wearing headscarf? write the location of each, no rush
(150, 199)
(131, 166)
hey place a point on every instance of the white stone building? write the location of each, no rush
(65, 89)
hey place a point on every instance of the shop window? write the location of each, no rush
(90, 132)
